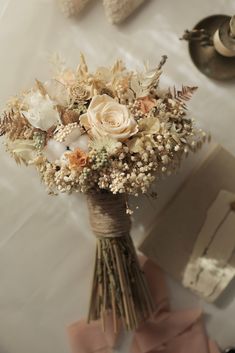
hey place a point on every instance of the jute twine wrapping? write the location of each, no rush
(118, 285)
(108, 215)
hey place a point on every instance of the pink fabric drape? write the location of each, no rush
(166, 331)
(89, 338)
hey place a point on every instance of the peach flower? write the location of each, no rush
(77, 159)
(146, 104)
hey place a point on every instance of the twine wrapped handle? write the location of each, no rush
(108, 217)
(118, 284)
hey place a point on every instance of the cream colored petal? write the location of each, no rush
(81, 143)
(54, 150)
(73, 136)
(149, 125)
(22, 150)
(57, 92)
(84, 120)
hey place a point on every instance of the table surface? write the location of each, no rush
(46, 247)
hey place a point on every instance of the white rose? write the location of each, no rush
(41, 112)
(106, 117)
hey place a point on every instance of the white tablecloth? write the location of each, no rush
(46, 247)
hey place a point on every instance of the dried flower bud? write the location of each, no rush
(69, 117)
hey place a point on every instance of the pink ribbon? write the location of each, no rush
(164, 332)
(90, 338)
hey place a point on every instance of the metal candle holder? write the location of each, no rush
(212, 46)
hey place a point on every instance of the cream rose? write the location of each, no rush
(106, 117)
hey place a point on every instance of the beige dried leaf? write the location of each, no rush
(149, 140)
(118, 67)
(38, 161)
(149, 126)
(41, 88)
(23, 151)
(104, 74)
(136, 86)
(135, 145)
(82, 69)
(143, 83)
(57, 92)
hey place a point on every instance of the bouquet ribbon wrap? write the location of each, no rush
(108, 215)
(165, 331)
(118, 284)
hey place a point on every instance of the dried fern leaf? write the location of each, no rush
(185, 94)
(5, 122)
(15, 126)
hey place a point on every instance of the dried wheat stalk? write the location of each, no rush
(118, 284)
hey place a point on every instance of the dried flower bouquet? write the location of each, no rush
(108, 134)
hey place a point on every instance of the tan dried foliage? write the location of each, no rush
(15, 126)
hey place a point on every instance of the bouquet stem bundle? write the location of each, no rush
(119, 285)
(112, 131)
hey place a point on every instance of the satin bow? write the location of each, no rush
(116, 10)
(165, 332)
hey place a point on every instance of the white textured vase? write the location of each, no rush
(118, 10)
(72, 7)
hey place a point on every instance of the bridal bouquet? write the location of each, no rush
(108, 134)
